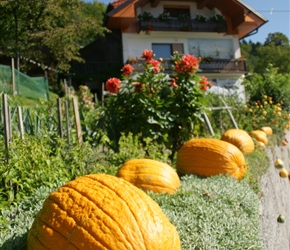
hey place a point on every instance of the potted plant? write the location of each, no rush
(200, 18)
(145, 15)
(217, 18)
(165, 16)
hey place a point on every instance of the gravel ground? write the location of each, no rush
(275, 201)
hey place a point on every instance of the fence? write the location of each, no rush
(13, 81)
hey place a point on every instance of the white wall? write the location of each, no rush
(134, 44)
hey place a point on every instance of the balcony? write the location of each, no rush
(156, 24)
(215, 66)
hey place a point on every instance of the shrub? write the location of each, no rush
(155, 105)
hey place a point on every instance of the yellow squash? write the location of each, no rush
(101, 212)
(151, 175)
(208, 157)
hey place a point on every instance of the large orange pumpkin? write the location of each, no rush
(151, 175)
(101, 212)
(240, 138)
(207, 157)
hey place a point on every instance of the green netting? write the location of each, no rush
(32, 87)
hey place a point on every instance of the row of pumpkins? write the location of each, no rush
(100, 211)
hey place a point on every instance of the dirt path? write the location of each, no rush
(275, 201)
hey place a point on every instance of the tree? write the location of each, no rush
(47, 31)
(277, 38)
(274, 51)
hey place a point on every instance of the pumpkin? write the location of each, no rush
(207, 157)
(259, 135)
(283, 173)
(240, 138)
(101, 211)
(267, 130)
(284, 143)
(151, 175)
(279, 164)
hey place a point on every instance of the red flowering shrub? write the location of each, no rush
(151, 104)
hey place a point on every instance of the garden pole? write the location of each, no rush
(77, 120)
(20, 122)
(6, 125)
(59, 113)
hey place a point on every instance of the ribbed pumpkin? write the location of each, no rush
(207, 157)
(259, 135)
(103, 212)
(240, 138)
(267, 130)
(150, 174)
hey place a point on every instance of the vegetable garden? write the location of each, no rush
(149, 136)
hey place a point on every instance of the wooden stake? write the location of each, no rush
(77, 120)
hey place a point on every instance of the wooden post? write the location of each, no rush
(6, 125)
(13, 77)
(59, 113)
(20, 122)
(77, 120)
(9, 123)
(67, 121)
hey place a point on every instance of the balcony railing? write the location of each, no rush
(216, 66)
(182, 25)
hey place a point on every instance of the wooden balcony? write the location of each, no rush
(182, 25)
(215, 66)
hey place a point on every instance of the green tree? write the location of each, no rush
(50, 32)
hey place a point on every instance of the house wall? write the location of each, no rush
(229, 84)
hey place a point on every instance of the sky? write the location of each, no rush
(277, 12)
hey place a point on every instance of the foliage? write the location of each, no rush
(265, 112)
(270, 83)
(220, 213)
(164, 16)
(217, 18)
(200, 18)
(49, 32)
(145, 15)
(275, 51)
(152, 104)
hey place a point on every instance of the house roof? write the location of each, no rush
(242, 19)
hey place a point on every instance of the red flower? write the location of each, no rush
(155, 65)
(187, 64)
(147, 55)
(113, 85)
(173, 83)
(127, 70)
(205, 84)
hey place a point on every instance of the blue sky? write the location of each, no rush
(277, 12)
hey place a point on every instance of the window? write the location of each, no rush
(178, 12)
(165, 50)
